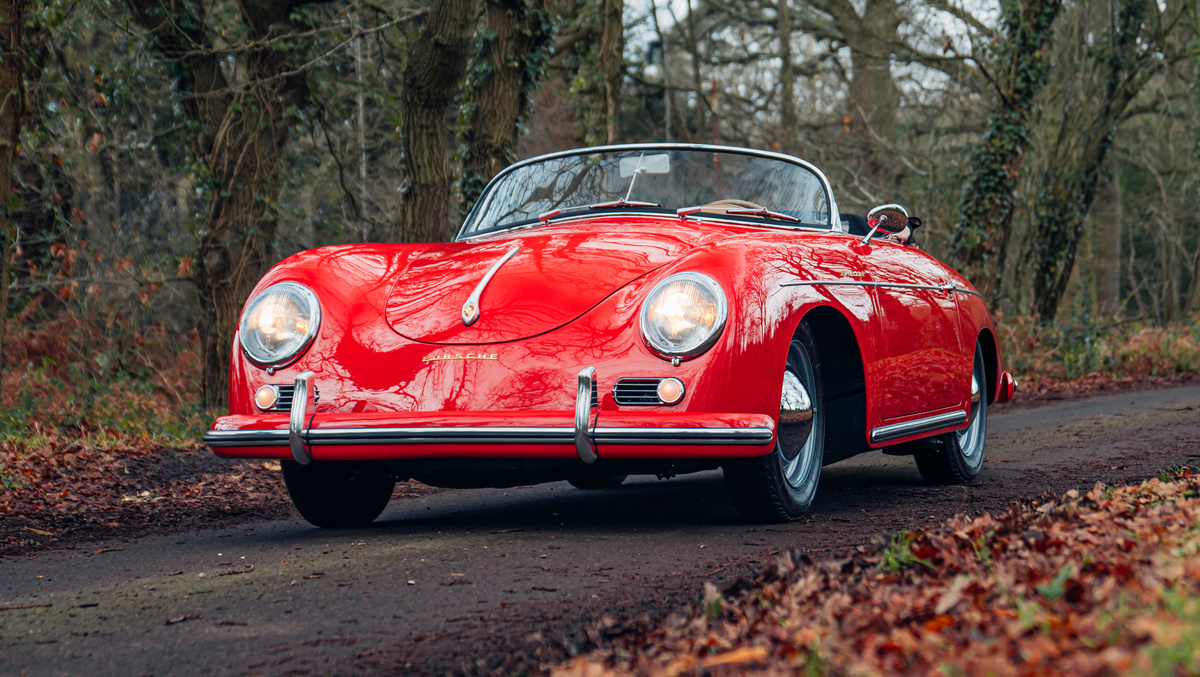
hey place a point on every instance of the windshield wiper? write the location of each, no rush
(764, 212)
(615, 204)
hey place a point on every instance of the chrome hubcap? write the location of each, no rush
(795, 416)
(969, 437)
(796, 445)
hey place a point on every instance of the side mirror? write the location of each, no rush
(890, 218)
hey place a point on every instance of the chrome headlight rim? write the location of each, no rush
(314, 326)
(718, 327)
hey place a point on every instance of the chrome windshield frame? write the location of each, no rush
(835, 217)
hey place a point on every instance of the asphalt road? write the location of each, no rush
(484, 580)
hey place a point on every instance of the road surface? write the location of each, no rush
(505, 579)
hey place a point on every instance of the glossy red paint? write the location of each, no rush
(392, 345)
(1008, 387)
(558, 274)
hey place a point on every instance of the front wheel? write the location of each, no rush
(957, 457)
(338, 494)
(781, 486)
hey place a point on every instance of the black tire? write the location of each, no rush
(591, 480)
(957, 458)
(773, 488)
(338, 494)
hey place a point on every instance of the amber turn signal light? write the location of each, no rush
(670, 390)
(265, 397)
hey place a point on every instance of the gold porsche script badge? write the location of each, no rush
(459, 356)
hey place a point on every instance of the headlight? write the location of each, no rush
(684, 315)
(279, 323)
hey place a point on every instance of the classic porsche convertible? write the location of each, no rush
(654, 309)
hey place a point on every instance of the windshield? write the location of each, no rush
(666, 178)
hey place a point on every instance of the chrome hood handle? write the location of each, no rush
(470, 309)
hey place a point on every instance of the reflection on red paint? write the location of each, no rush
(392, 340)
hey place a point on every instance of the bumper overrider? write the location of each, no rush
(536, 434)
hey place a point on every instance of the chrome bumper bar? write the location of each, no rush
(489, 435)
(584, 436)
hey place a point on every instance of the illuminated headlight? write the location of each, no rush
(683, 315)
(279, 323)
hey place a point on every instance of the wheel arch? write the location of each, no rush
(840, 362)
(991, 361)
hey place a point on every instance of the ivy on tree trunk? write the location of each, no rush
(507, 63)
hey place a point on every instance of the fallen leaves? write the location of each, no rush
(68, 492)
(1105, 581)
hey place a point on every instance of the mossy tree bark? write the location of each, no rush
(436, 62)
(509, 61)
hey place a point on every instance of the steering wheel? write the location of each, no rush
(733, 204)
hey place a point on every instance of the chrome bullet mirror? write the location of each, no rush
(890, 218)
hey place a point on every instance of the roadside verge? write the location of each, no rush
(1101, 582)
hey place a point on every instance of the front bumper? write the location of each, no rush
(586, 433)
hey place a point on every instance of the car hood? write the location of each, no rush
(560, 272)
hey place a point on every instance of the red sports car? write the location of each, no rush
(657, 308)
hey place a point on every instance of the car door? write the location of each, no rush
(920, 367)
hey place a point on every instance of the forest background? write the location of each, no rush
(161, 155)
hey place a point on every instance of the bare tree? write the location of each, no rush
(241, 116)
(988, 204)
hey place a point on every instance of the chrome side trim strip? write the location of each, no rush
(470, 309)
(898, 430)
(300, 453)
(585, 446)
(896, 285)
(491, 435)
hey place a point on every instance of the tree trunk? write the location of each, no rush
(238, 247)
(1067, 189)
(612, 50)
(241, 138)
(874, 97)
(1194, 303)
(436, 62)
(12, 108)
(502, 77)
(1106, 249)
(787, 77)
(987, 206)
